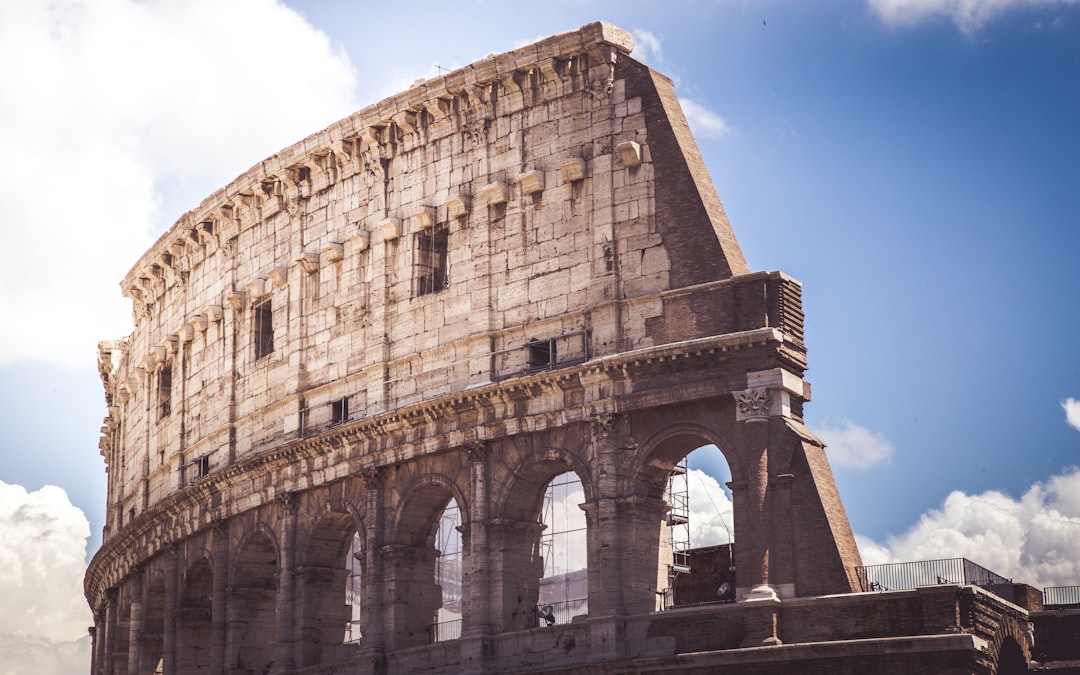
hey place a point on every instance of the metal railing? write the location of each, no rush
(1057, 596)
(561, 612)
(447, 630)
(909, 575)
(539, 355)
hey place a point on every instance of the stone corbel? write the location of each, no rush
(154, 359)
(495, 193)
(123, 394)
(237, 300)
(256, 288)
(573, 170)
(170, 344)
(279, 276)
(332, 252)
(532, 182)
(186, 332)
(388, 229)
(360, 241)
(629, 153)
(213, 312)
(406, 120)
(457, 206)
(423, 219)
(309, 262)
(198, 323)
(178, 248)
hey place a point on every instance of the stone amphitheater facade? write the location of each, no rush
(513, 271)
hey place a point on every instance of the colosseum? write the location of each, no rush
(443, 304)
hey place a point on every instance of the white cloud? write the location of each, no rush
(1033, 540)
(704, 122)
(646, 47)
(1072, 412)
(106, 100)
(43, 616)
(854, 446)
(711, 514)
(968, 15)
(25, 655)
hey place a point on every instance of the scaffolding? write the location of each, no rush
(679, 520)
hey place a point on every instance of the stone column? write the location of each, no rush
(218, 624)
(602, 517)
(373, 593)
(168, 637)
(476, 609)
(286, 598)
(412, 597)
(92, 630)
(111, 622)
(135, 621)
(515, 573)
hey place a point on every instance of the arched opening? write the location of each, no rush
(700, 530)
(152, 645)
(413, 596)
(539, 549)
(1011, 658)
(448, 546)
(328, 587)
(564, 586)
(193, 619)
(252, 605)
(697, 553)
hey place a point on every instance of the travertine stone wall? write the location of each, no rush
(517, 269)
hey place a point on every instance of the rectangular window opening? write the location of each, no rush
(539, 355)
(432, 268)
(264, 329)
(339, 411)
(165, 391)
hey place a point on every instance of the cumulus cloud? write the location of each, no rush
(1034, 539)
(646, 47)
(43, 616)
(854, 446)
(704, 122)
(968, 15)
(1072, 412)
(106, 101)
(711, 513)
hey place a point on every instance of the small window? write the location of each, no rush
(264, 329)
(196, 469)
(339, 411)
(539, 355)
(432, 269)
(165, 391)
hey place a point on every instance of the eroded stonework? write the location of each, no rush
(517, 269)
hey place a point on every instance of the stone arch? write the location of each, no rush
(666, 446)
(515, 531)
(252, 603)
(412, 594)
(194, 615)
(322, 609)
(522, 492)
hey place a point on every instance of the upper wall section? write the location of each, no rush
(536, 210)
(495, 133)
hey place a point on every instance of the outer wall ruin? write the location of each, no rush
(515, 270)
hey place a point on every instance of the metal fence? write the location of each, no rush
(1057, 596)
(909, 575)
(561, 612)
(447, 630)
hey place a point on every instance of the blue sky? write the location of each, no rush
(915, 164)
